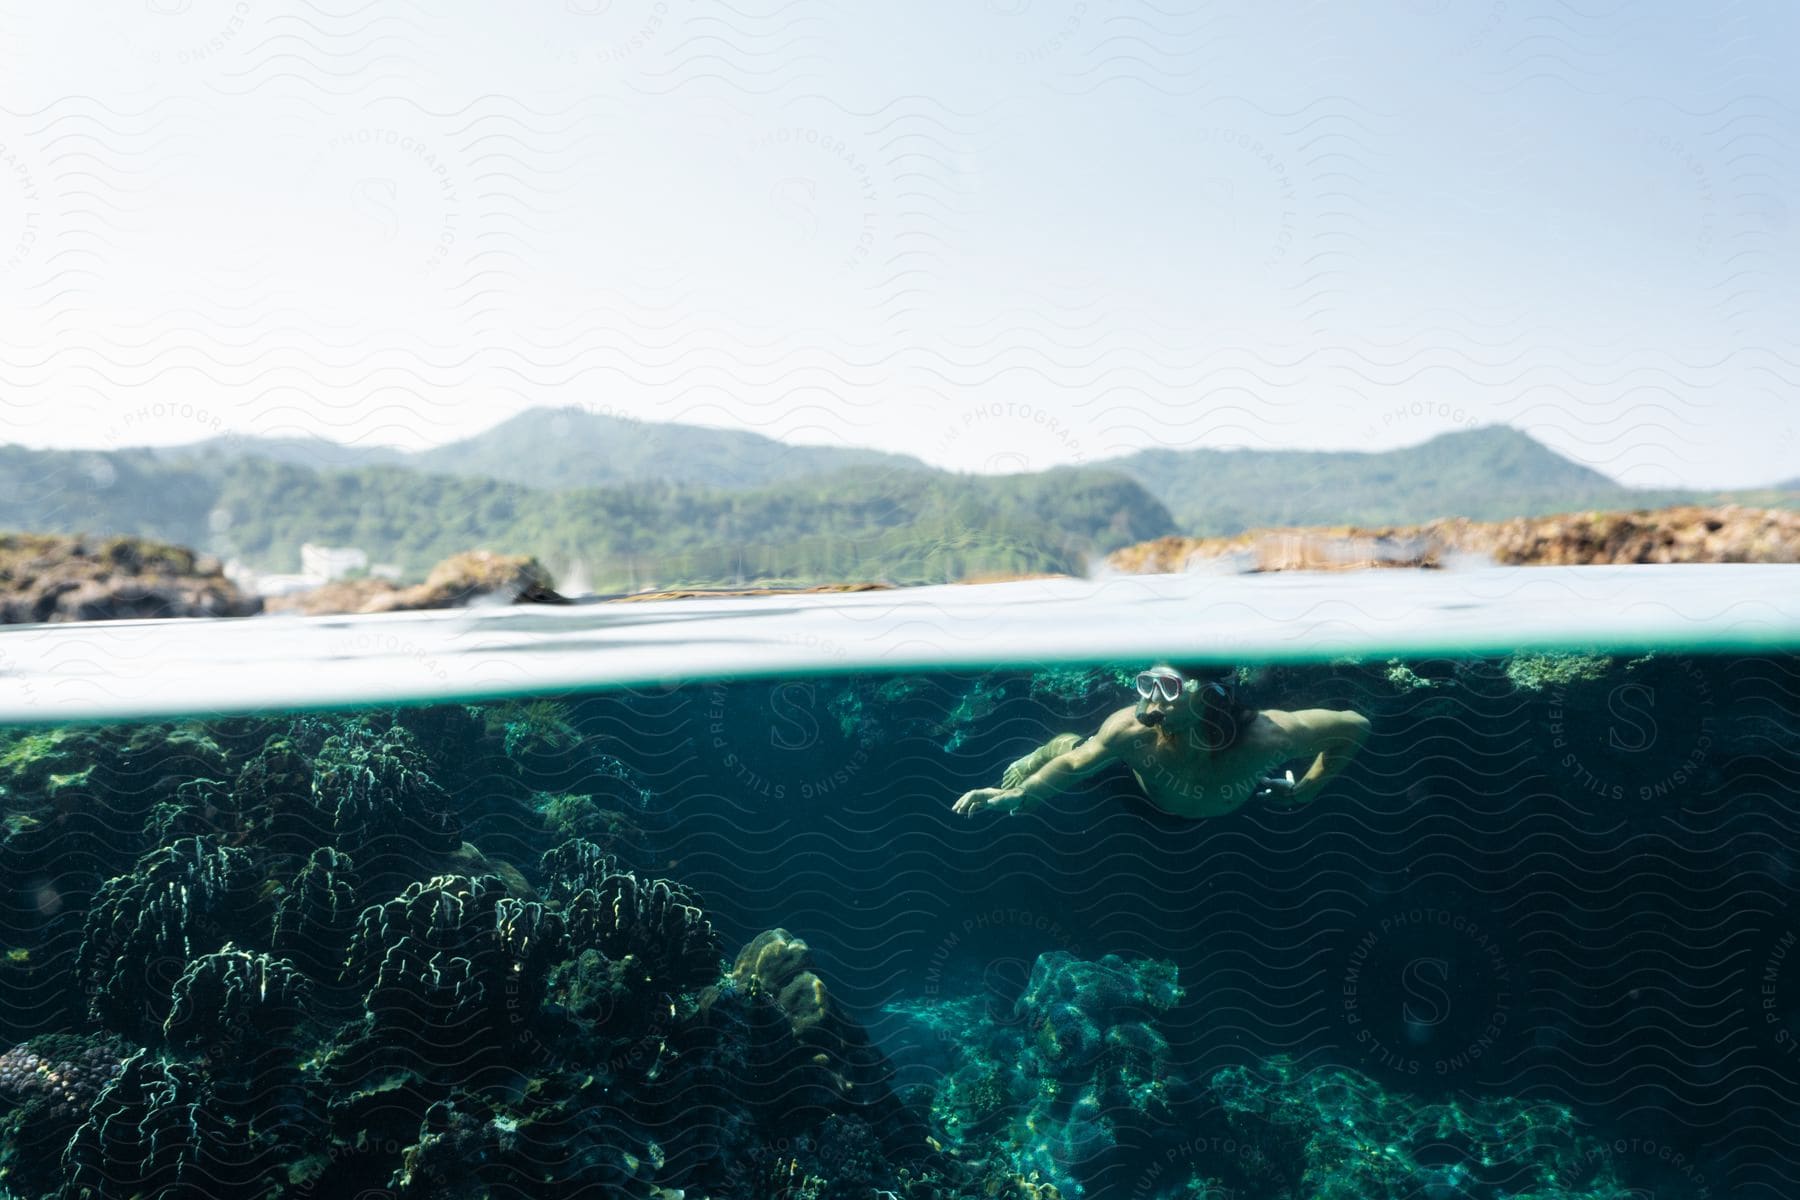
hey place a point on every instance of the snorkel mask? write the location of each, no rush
(1167, 684)
(1163, 682)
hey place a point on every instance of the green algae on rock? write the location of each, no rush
(1535, 672)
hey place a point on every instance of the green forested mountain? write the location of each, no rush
(570, 448)
(873, 517)
(557, 448)
(909, 526)
(321, 454)
(122, 491)
(1487, 474)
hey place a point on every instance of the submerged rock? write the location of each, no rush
(1048, 1098)
(1332, 1133)
(779, 965)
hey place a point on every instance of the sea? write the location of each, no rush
(669, 899)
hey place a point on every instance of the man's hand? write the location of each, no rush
(1019, 771)
(1283, 787)
(973, 802)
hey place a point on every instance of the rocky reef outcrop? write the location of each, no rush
(1047, 1096)
(52, 577)
(1333, 1134)
(474, 576)
(1684, 534)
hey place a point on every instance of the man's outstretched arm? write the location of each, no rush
(1052, 778)
(1024, 768)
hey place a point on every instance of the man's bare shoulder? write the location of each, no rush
(1309, 723)
(1123, 729)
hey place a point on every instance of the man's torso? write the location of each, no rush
(1181, 776)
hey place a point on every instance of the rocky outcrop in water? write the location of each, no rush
(52, 577)
(1688, 534)
(475, 576)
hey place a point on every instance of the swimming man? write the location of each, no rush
(1196, 751)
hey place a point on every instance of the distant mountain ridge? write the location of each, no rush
(571, 448)
(561, 448)
(631, 504)
(1486, 474)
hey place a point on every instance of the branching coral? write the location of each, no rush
(199, 806)
(317, 913)
(574, 866)
(157, 1130)
(234, 1005)
(657, 925)
(443, 965)
(531, 936)
(143, 928)
(381, 797)
(273, 793)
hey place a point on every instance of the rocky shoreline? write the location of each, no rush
(1687, 534)
(55, 577)
(474, 576)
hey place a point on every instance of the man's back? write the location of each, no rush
(1181, 775)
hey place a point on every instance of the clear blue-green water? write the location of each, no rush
(670, 899)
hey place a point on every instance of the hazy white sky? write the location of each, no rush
(997, 234)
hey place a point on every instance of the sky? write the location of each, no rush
(999, 235)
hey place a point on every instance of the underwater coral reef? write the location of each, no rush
(292, 977)
(447, 952)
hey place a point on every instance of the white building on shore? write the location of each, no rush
(331, 562)
(319, 565)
